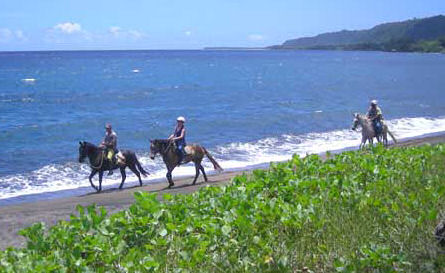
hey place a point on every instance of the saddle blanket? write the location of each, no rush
(120, 158)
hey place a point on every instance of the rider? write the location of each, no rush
(375, 115)
(179, 138)
(110, 144)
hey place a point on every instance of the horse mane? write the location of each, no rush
(161, 141)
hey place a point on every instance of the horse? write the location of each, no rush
(195, 153)
(368, 132)
(99, 163)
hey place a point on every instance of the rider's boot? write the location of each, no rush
(180, 158)
(112, 164)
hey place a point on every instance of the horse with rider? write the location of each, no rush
(372, 125)
(174, 152)
(106, 157)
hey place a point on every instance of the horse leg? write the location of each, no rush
(197, 173)
(169, 177)
(363, 143)
(101, 174)
(137, 173)
(203, 172)
(92, 174)
(124, 176)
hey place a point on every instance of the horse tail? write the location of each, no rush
(392, 136)
(141, 170)
(215, 164)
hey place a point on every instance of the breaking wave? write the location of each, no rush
(232, 156)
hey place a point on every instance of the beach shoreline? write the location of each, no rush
(18, 216)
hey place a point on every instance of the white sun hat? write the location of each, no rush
(181, 118)
(374, 102)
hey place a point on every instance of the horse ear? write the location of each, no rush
(80, 142)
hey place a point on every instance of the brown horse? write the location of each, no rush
(194, 152)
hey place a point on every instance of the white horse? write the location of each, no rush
(368, 132)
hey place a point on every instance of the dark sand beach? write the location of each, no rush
(15, 217)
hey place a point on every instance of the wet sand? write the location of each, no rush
(15, 217)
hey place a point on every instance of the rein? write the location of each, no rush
(100, 164)
(168, 146)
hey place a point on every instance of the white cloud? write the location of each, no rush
(119, 32)
(255, 37)
(136, 34)
(188, 33)
(115, 30)
(68, 27)
(7, 35)
(19, 35)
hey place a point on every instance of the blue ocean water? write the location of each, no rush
(246, 107)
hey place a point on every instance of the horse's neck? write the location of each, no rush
(167, 151)
(364, 121)
(93, 153)
(166, 148)
(366, 124)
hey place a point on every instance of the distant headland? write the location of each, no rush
(415, 35)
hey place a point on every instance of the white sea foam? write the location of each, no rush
(29, 80)
(236, 155)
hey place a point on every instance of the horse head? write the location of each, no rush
(158, 146)
(355, 121)
(82, 151)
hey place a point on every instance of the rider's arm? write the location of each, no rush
(379, 113)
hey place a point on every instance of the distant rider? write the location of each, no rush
(375, 115)
(179, 138)
(110, 144)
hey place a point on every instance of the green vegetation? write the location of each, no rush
(361, 211)
(417, 35)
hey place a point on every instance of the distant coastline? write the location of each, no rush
(415, 35)
(425, 35)
(235, 48)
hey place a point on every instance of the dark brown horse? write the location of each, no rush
(194, 152)
(99, 163)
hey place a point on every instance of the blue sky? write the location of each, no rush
(189, 24)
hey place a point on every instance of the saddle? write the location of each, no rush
(118, 155)
(188, 150)
(120, 159)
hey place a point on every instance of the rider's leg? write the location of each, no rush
(110, 156)
(180, 153)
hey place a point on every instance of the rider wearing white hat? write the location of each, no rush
(376, 116)
(178, 137)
